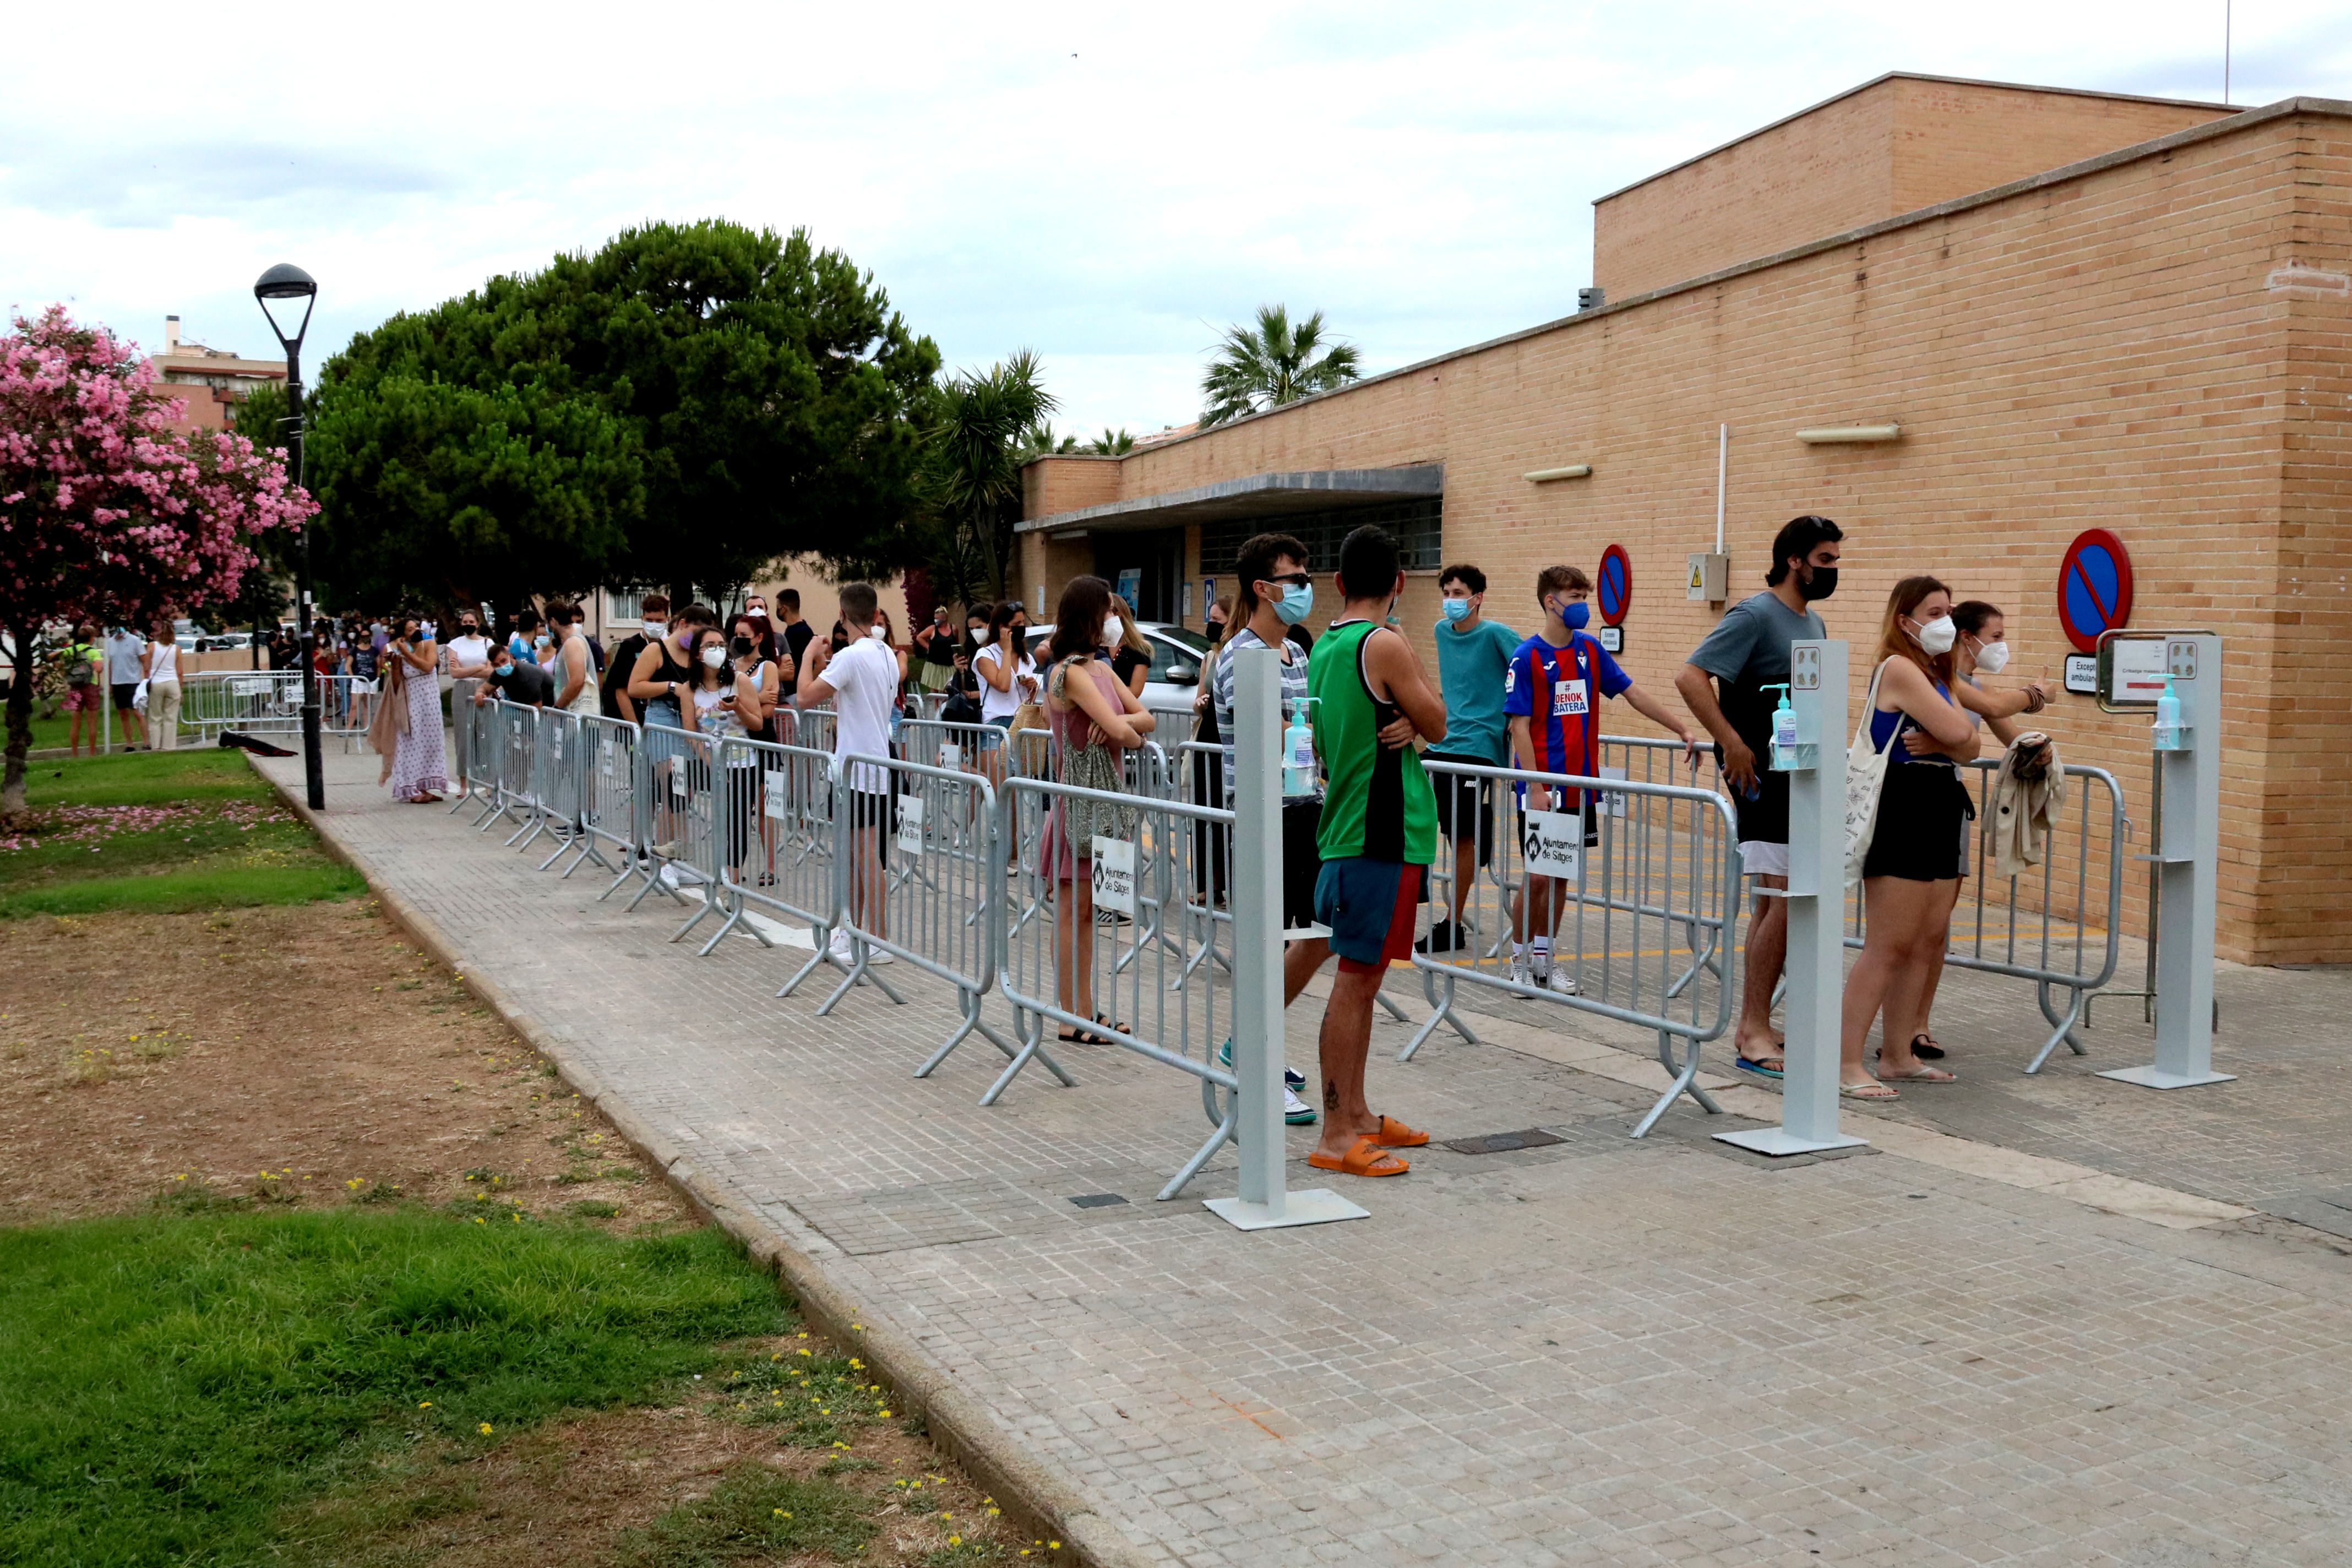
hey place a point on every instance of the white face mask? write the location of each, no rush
(1992, 656)
(1113, 630)
(1938, 635)
(653, 630)
(876, 634)
(714, 656)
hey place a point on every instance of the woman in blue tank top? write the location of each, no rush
(1914, 847)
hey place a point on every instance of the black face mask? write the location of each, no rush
(1818, 582)
(741, 646)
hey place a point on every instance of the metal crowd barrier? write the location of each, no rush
(476, 727)
(677, 818)
(791, 872)
(1071, 949)
(269, 701)
(1621, 894)
(514, 736)
(2038, 926)
(608, 795)
(915, 878)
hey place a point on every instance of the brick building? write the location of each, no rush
(210, 382)
(2057, 310)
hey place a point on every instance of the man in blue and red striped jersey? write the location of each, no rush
(1552, 695)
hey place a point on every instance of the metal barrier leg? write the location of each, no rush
(2065, 1030)
(1217, 1140)
(1033, 1046)
(973, 1022)
(861, 969)
(1444, 1013)
(1686, 1082)
(823, 955)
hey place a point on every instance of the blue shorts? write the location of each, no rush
(1370, 906)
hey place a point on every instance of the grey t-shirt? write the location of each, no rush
(1748, 650)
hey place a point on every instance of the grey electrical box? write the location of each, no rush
(1710, 577)
(1591, 299)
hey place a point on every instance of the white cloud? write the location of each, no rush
(1108, 187)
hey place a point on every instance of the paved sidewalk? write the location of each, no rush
(1593, 1352)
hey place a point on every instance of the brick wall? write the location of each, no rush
(2103, 351)
(1894, 146)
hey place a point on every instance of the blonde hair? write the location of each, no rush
(1131, 638)
(1894, 642)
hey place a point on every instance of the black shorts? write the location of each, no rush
(1765, 819)
(1922, 812)
(126, 693)
(1465, 805)
(875, 808)
(1302, 859)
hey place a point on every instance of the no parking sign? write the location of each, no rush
(1613, 595)
(2094, 588)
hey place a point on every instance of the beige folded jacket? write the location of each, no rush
(2019, 822)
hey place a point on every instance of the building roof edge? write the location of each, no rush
(1909, 76)
(2243, 119)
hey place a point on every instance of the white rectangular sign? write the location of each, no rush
(2083, 673)
(2137, 669)
(772, 800)
(1114, 875)
(677, 782)
(911, 822)
(1614, 803)
(1551, 844)
(249, 687)
(950, 754)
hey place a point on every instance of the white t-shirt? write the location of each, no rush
(464, 651)
(864, 680)
(995, 704)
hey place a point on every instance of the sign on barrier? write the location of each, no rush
(1114, 861)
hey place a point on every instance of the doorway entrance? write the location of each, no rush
(1153, 560)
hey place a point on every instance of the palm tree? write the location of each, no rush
(1112, 443)
(1271, 364)
(984, 426)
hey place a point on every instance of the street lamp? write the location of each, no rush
(279, 290)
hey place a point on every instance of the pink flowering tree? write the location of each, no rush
(106, 513)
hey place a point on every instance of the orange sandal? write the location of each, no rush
(1395, 1135)
(1366, 1159)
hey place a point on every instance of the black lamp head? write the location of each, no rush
(278, 289)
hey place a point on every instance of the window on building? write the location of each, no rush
(1418, 525)
(624, 604)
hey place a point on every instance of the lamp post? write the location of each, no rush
(278, 289)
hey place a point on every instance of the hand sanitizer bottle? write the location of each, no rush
(1785, 756)
(1298, 752)
(2167, 734)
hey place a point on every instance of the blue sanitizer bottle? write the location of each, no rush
(2168, 733)
(1784, 733)
(1298, 752)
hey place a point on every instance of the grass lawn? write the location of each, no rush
(177, 1379)
(159, 831)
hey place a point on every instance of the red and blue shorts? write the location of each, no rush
(1370, 906)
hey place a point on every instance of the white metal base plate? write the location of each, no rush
(1316, 1205)
(2156, 1078)
(1781, 1140)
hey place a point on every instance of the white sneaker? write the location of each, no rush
(838, 949)
(1560, 983)
(877, 956)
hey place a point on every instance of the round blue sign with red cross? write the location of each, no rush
(1613, 595)
(2094, 588)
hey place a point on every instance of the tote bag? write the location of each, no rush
(1865, 778)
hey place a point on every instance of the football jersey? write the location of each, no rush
(1558, 689)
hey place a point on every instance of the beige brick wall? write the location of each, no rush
(1893, 147)
(2102, 352)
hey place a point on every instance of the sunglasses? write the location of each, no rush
(1296, 580)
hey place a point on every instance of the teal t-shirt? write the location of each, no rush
(1470, 670)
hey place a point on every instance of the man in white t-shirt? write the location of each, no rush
(861, 681)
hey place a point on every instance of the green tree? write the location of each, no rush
(983, 427)
(1272, 363)
(687, 405)
(1112, 443)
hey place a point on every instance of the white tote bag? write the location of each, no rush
(1865, 778)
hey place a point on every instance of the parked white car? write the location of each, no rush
(1174, 678)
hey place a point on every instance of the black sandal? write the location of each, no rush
(1924, 1046)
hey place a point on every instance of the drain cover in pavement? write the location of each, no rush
(1096, 1200)
(1502, 1142)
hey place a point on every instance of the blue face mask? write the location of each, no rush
(505, 670)
(1573, 613)
(1456, 609)
(1297, 602)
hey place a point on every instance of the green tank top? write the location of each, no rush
(1379, 806)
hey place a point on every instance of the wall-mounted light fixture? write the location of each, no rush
(1850, 434)
(1545, 476)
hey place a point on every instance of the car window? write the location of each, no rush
(1167, 654)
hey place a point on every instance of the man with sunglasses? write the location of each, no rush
(1276, 596)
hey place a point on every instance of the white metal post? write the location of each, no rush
(2187, 870)
(1255, 889)
(1816, 900)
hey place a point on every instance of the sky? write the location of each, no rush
(1109, 186)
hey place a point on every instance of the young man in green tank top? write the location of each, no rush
(1378, 835)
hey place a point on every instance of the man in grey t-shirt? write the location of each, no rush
(1724, 685)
